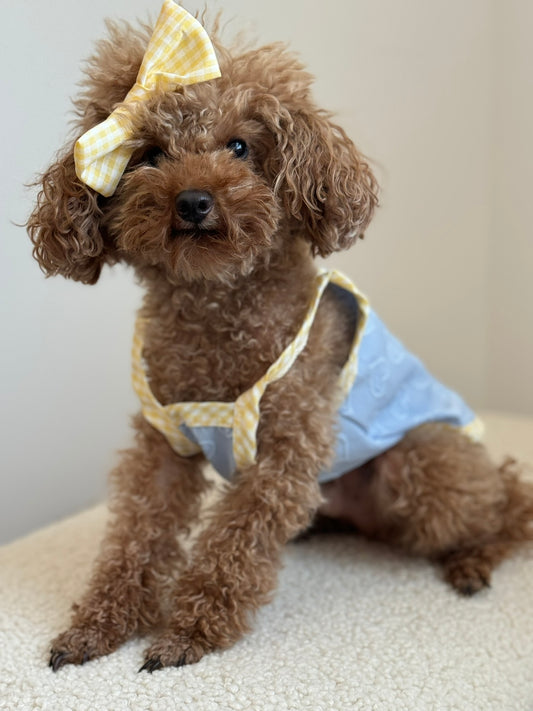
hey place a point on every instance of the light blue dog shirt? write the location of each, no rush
(384, 391)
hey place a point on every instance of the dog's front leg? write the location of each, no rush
(156, 494)
(236, 558)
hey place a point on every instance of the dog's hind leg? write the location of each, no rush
(439, 494)
(155, 496)
(468, 569)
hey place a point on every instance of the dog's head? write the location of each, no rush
(222, 175)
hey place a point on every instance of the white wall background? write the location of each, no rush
(438, 94)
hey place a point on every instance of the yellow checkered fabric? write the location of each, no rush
(246, 417)
(243, 414)
(179, 53)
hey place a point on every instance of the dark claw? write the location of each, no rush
(470, 589)
(151, 665)
(182, 661)
(486, 580)
(58, 659)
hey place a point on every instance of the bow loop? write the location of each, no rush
(178, 53)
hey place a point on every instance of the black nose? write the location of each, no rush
(194, 205)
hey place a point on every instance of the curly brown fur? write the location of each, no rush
(222, 302)
(438, 494)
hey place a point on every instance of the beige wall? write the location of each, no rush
(437, 93)
(510, 246)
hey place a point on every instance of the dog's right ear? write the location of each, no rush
(65, 226)
(325, 184)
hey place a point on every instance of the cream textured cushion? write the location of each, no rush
(354, 625)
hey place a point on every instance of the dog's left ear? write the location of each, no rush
(326, 184)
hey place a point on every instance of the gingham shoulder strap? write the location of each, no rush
(242, 415)
(247, 406)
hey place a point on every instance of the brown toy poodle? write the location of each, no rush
(233, 185)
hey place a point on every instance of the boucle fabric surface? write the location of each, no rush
(354, 625)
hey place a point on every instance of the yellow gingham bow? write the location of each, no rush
(179, 53)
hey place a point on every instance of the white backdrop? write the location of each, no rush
(438, 95)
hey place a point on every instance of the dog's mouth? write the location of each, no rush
(195, 232)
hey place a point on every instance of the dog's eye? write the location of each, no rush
(239, 147)
(152, 155)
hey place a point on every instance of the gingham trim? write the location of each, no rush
(475, 430)
(178, 53)
(243, 415)
(349, 371)
(247, 405)
(168, 418)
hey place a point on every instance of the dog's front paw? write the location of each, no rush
(173, 649)
(79, 645)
